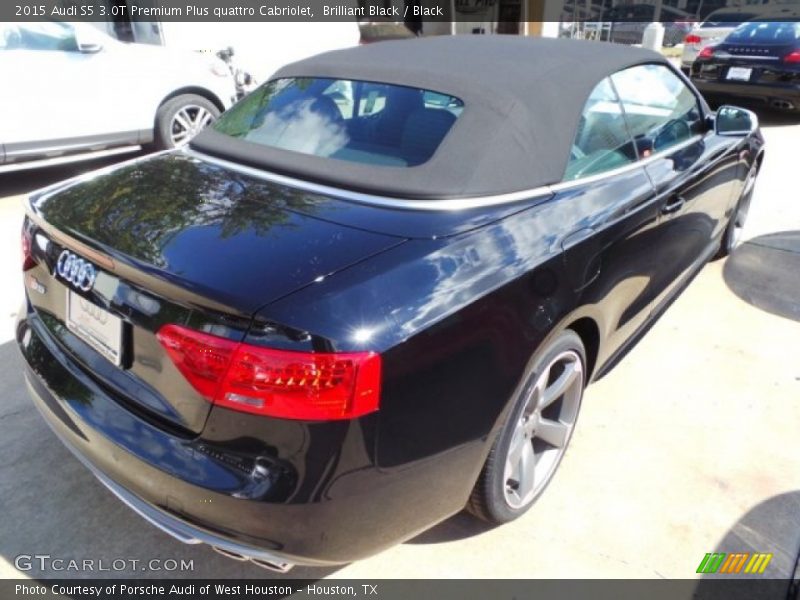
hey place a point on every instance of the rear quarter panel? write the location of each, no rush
(456, 321)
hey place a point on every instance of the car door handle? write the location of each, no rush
(673, 205)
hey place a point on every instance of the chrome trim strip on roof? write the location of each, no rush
(371, 199)
(431, 205)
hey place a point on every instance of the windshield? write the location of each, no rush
(46, 35)
(762, 32)
(357, 121)
(725, 21)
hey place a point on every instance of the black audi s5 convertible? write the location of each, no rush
(374, 291)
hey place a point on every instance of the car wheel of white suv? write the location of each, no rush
(181, 118)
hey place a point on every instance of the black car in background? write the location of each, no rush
(374, 292)
(758, 63)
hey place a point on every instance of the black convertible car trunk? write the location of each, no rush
(185, 243)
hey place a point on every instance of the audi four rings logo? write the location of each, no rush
(77, 271)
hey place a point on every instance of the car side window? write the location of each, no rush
(9, 36)
(660, 109)
(602, 141)
(44, 36)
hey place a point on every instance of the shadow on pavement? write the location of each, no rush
(24, 182)
(53, 506)
(458, 527)
(772, 527)
(765, 272)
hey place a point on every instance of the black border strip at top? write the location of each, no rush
(408, 11)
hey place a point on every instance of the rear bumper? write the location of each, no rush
(763, 95)
(197, 493)
(175, 493)
(180, 530)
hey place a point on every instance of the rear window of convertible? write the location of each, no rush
(357, 121)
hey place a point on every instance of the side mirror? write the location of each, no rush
(735, 121)
(88, 44)
(89, 47)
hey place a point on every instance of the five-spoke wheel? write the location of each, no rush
(535, 434)
(543, 428)
(733, 232)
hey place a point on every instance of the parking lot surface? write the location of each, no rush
(689, 446)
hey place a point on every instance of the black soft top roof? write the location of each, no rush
(522, 102)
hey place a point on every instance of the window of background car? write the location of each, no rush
(357, 121)
(9, 36)
(47, 35)
(726, 20)
(602, 142)
(661, 111)
(762, 32)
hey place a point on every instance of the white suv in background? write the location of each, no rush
(72, 92)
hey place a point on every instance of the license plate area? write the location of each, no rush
(739, 73)
(95, 326)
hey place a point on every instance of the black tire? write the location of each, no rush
(488, 500)
(731, 237)
(165, 124)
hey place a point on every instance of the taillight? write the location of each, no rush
(706, 52)
(201, 358)
(793, 57)
(276, 383)
(692, 39)
(27, 253)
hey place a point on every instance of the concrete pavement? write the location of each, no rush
(689, 446)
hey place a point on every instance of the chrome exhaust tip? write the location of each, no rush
(782, 104)
(277, 567)
(230, 554)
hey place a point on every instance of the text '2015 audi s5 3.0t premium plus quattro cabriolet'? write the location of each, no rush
(373, 292)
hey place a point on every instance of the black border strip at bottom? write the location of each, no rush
(708, 588)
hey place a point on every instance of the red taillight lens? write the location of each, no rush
(300, 385)
(276, 383)
(27, 254)
(706, 52)
(692, 39)
(201, 358)
(793, 57)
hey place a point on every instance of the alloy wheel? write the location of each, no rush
(188, 122)
(743, 208)
(544, 427)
